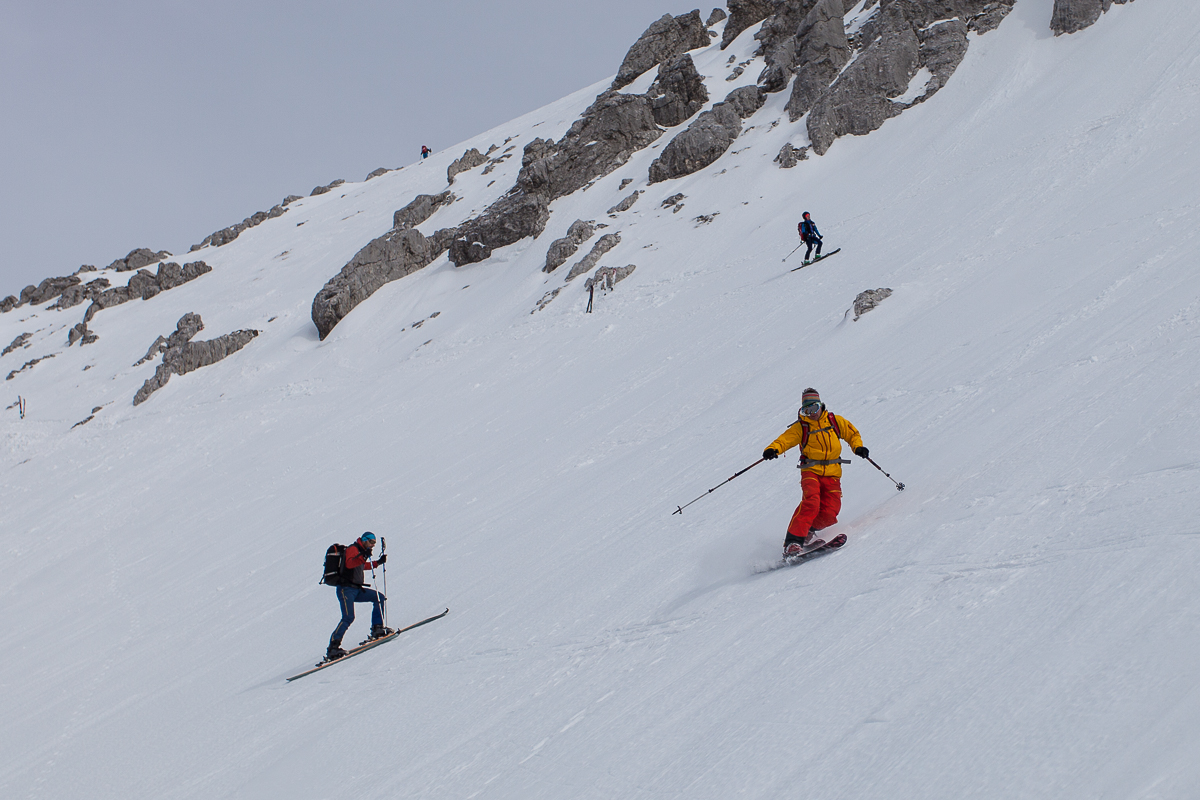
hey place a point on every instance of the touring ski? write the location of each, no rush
(818, 549)
(367, 645)
(815, 260)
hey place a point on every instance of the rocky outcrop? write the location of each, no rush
(79, 293)
(375, 173)
(180, 355)
(779, 42)
(716, 16)
(708, 137)
(20, 341)
(562, 249)
(790, 156)
(79, 333)
(469, 160)
(859, 101)
(510, 219)
(327, 187)
(397, 253)
(612, 129)
(1072, 16)
(145, 284)
(420, 209)
(743, 14)
(625, 204)
(33, 362)
(137, 259)
(822, 52)
(678, 92)
(865, 301)
(608, 277)
(666, 38)
(603, 245)
(227, 235)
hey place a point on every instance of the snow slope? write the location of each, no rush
(1022, 622)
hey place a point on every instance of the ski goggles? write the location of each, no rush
(810, 410)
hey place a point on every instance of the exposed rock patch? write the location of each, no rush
(181, 356)
(790, 156)
(822, 52)
(865, 301)
(397, 253)
(562, 249)
(510, 219)
(1072, 16)
(666, 38)
(605, 243)
(327, 187)
(625, 204)
(469, 160)
(420, 209)
(227, 235)
(716, 16)
(678, 92)
(20, 341)
(608, 277)
(743, 14)
(28, 365)
(145, 284)
(137, 259)
(704, 141)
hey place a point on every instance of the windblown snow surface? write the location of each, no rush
(1022, 622)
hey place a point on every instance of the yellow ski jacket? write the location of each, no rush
(819, 443)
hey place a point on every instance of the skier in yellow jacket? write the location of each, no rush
(817, 432)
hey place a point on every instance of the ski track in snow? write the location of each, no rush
(1021, 622)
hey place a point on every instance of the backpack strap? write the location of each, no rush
(833, 424)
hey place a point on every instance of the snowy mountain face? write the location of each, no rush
(1012, 324)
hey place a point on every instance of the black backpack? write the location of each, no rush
(335, 566)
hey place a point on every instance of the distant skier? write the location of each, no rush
(817, 432)
(811, 237)
(354, 590)
(425, 151)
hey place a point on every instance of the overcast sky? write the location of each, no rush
(152, 123)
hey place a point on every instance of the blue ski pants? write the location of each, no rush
(347, 597)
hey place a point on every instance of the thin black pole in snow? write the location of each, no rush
(680, 509)
(591, 294)
(789, 255)
(899, 486)
(383, 551)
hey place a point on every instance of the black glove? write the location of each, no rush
(770, 453)
(862, 452)
(382, 559)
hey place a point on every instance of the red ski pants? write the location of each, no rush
(820, 506)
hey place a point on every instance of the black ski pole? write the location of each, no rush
(899, 486)
(789, 255)
(383, 551)
(718, 486)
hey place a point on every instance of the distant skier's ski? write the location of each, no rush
(815, 260)
(811, 553)
(367, 645)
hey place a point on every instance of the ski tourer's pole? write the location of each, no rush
(680, 509)
(383, 551)
(899, 486)
(789, 255)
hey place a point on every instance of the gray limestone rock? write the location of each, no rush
(562, 249)
(605, 243)
(420, 209)
(390, 257)
(608, 277)
(943, 47)
(704, 141)
(865, 301)
(1072, 16)
(625, 204)
(48, 289)
(8, 304)
(227, 235)
(743, 14)
(859, 101)
(746, 100)
(674, 199)
(469, 160)
(678, 92)
(666, 38)
(515, 216)
(823, 51)
(30, 364)
(716, 16)
(780, 43)
(790, 156)
(20, 341)
(74, 295)
(611, 130)
(327, 187)
(375, 173)
(291, 198)
(137, 259)
(180, 355)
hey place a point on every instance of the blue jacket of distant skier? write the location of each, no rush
(808, 231)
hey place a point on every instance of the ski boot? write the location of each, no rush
(378, 632)
(334, 651)
(797, 545)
